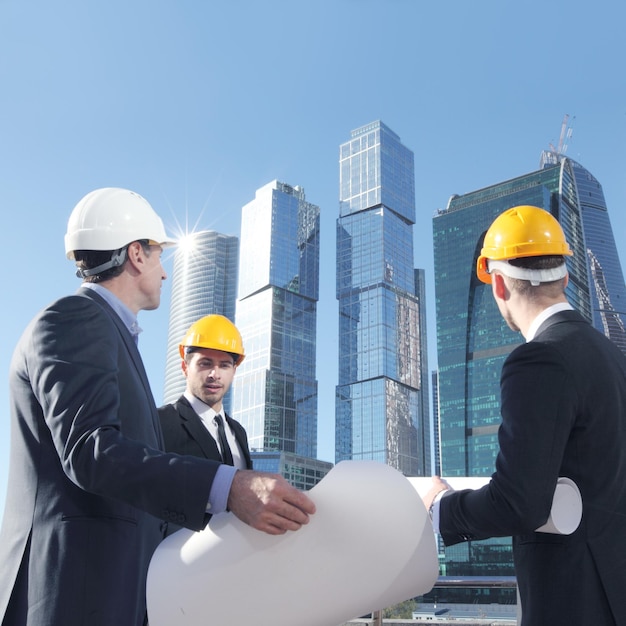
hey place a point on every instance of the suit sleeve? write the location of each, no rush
(538, 410)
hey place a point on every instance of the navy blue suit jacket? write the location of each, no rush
(88, 487)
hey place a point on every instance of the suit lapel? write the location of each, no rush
(240, 436)
(134, 354)
(197, 430)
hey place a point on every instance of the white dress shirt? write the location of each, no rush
(207, 415)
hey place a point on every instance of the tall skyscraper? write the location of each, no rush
(275, 390)
(472, 338)
(605, 276)
(382, 395)
(436, 443)
(204, 281)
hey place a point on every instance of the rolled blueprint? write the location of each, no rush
(567, 509)
(567, 504)
(369, 545)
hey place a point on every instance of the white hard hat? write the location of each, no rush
(111, 218)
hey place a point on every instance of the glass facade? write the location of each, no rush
(302, 472)
(275, 390)
(606, 279)
(204, 281)
(472, 338)
(382, 393)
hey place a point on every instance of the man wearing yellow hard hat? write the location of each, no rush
(563, 409)
(197, 423)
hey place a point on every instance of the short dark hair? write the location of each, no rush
(88, 259)
(191, 349)
(547, 262)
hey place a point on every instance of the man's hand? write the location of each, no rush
(268, 502)
(437, 487)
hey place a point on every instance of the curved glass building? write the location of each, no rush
(204, 281)
(604, 272)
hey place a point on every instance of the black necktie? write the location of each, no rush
(227, 456)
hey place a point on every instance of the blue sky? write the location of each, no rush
(197, 104)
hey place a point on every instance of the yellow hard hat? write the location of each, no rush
(214, 332)
(522, 231)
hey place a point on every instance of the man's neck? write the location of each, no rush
(120, 288)
(194, 400)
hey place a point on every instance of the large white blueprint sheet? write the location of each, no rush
(369, 545)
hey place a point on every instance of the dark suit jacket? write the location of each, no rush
(88, 486)
(184, 432)
(563, 399)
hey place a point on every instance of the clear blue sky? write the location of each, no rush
(197, 104)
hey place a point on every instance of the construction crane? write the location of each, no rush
(566, 135)
(553, 155)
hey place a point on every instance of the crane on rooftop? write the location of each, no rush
(566, 135)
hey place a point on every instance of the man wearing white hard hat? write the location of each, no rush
(90, 490)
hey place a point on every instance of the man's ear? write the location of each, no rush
(498, 287)
(136, 254)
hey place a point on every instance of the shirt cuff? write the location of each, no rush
(435, 510)
(218, 496)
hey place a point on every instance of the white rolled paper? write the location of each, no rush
(567, 504)
(567, 509)
(369, 545)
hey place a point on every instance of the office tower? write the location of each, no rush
(436, 445)
(604, 272)
(204, 281)
(424, 442)
(472, 338)
(382, 395)
(301, 471)
(275, 390)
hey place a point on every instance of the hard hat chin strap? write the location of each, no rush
(523, 273)
(116, 260)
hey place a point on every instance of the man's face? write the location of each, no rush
(209, 375)
(152, 278)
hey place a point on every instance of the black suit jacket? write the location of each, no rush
(563, 405)
(184, 432)
(88, 484)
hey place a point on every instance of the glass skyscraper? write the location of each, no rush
(301, 471)
(382, 393)
(275, 389)
(204, 281)
(472, 338)
(605, 276)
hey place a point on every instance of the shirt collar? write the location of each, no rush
(201, 408)
(544, 315)
(124, 313)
